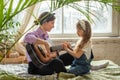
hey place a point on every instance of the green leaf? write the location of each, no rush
(24, 4)
(30, 2)
(9, 9)
(18, 6)
(1, 12)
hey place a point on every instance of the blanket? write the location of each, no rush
(104, 74)
(19, 72)
(111, 72)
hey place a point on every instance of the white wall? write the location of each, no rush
(107, 48)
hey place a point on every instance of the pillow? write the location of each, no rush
(14, 55)
(96, 65)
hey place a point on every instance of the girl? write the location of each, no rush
(82, 51)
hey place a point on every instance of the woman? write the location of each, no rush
(40, 36)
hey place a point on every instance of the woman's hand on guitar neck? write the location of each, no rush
(53, 54)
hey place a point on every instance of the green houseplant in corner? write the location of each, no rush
(7, 34)
(7, 23)
(6, 16)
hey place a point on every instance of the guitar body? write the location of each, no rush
(38, 56)
(35, 59)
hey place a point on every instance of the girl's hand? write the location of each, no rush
(68, 45)
(65, 46)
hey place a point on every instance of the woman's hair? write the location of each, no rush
(86, 27)
(45, 17)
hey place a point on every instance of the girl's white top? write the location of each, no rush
(86, 48)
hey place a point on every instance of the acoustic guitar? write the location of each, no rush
(39, 61)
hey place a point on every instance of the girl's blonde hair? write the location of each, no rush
(86, 27)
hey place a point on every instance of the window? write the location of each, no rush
(66, 18)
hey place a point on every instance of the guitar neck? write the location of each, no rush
(56, 48)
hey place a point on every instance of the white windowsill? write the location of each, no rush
(93, 38)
